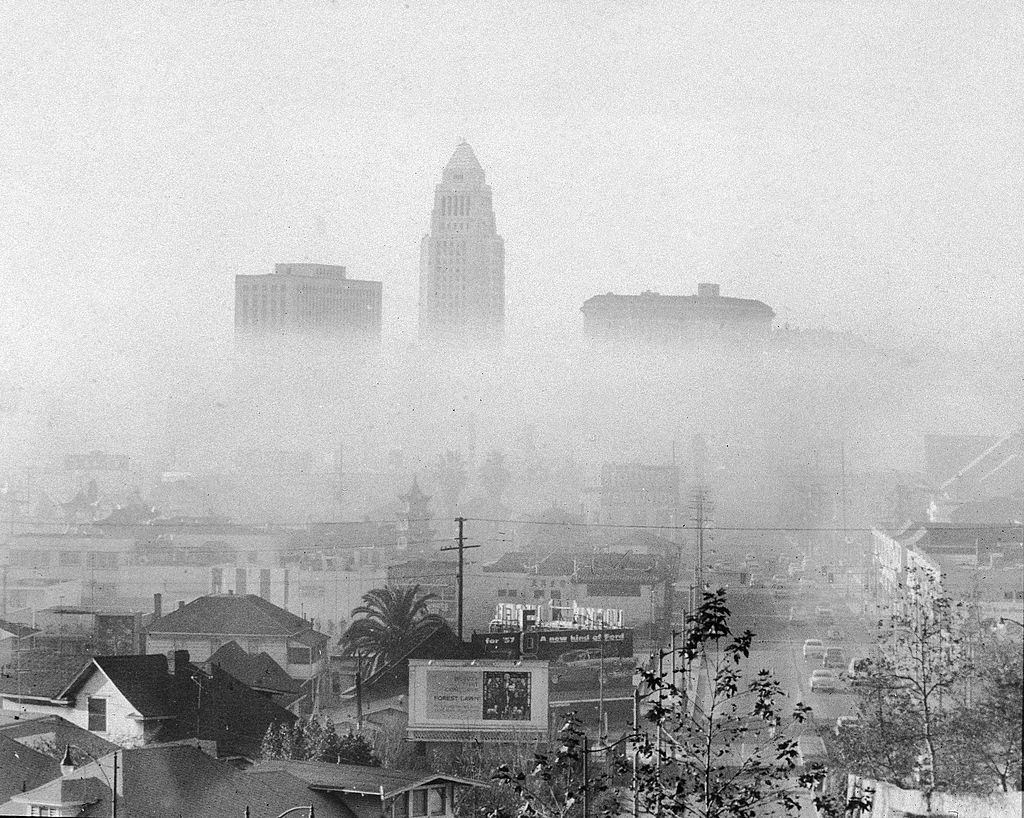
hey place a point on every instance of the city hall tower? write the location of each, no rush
(462, 261)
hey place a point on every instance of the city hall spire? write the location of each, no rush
(462, 260)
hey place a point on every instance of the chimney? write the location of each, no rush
(707, 290)
(181, 604)
(67, 766)
(158, 605)
(181, 658)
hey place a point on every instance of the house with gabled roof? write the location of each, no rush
(12, 636)
(135, 700)
(178, 780)
(206, 624)
(260, 672)
(376, 791)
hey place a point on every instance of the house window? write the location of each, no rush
(299, 655)
(437, 801)
(400, 806)
(97, 715)
(39, 809)
(418, 803)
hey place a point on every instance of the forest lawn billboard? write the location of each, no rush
(451, 700)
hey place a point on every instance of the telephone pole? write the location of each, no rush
(460, 547)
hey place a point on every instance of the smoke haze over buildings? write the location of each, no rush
(853, 167)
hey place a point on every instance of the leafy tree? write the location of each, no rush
(391, 621)
(560, 783)
(726, 751)
(272, 745)
(311, 740)
(914, 687)
(314, 738)
(988, 732)
(293, 741)
(354, 749)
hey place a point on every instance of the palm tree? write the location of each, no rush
(392, 621)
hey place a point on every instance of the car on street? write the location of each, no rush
(844, 723)
(824, 680)
(834, 658)
(857, 670)
(813, 648)
(585, 657)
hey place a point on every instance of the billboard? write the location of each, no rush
(511, 614)
(553, 642)
(490, 699)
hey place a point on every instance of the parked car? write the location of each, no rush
(797, 616)
(857, 670)
(846, 723)
(585, 657)
(834, 634)
(833, 657)
(813, 648)
(824, 680)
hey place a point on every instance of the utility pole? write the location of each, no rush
(460, 547)
(113, 790)
(586, 775)
(700, 523)
(359, 690)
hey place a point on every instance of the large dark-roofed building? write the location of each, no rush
(206, 624)
(650, 318)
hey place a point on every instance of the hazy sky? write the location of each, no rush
(851, 163)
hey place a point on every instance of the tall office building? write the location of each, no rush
(462, 261)
(308, 300)
(650, 318)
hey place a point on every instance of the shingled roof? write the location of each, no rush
(39, 674)
(16, 629)
(33, 731)
(143, 680)
(22, 768)
(229, 711)
(258, 670)
(234, 614)
(156, 782)
(356, 779)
